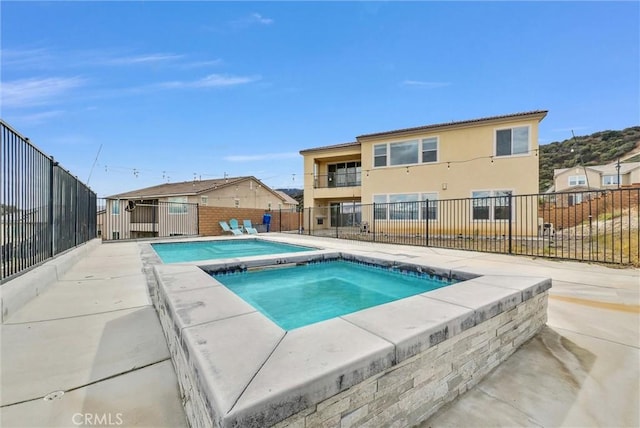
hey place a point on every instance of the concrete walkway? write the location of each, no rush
(89, 351)
(95, 336)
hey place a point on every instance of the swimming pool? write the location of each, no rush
(296, 296)
(178, 252)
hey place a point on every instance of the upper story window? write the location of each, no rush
(430, 150)
(115, 207)
(204, 200)
(403, 153)
(380, 155)
(512, 141)
(577, 180)
(608, 180)
(178, 205)
(344, 174)
(408, 152)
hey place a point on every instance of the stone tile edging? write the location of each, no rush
(237, 368)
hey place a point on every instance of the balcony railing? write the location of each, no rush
(337, 180)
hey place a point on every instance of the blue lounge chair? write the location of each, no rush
(249, 227)
(234, 225)
(226, 228)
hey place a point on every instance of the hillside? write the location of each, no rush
(596, 149)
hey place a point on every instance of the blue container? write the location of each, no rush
(266, 220)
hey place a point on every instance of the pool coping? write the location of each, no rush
(262, 374)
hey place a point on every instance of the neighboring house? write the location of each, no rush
(171, 208)
(479, 158)
(577, 182)
(287, 201)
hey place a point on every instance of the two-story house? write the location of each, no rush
(486, 159)
(581, 179)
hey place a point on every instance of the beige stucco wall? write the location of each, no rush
(561, 180)
(248, 193)
(462, 175)
(464, 165)
(322, 158)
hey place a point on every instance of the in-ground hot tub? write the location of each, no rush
(393, 363)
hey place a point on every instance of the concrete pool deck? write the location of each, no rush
(94, 334)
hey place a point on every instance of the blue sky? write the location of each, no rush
(173, 90)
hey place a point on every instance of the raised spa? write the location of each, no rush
(391, 364)
(299, 295)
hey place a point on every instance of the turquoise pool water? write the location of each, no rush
(177, 252)
(297, 296)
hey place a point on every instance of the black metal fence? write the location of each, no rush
(44, 210)
(135, 219)
(595, 226)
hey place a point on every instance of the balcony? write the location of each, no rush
(337, 179)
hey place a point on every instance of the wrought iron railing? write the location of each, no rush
(337, 179)
(44, 210)
(595, 226)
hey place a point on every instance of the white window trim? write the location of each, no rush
(577, 181)
(615, 178)
(437, 138)
(491, 205)
(495, 143)
(386, 154)
(437, 205)
(419, 202)
(404, 165)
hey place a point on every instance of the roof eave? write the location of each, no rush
(537, 114)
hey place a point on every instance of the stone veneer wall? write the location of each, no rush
(198, 414)
(402, 395)
(413, 390)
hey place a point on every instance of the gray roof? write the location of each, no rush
(541, 113)
(187, 188)
(286, 198)
(333, 146)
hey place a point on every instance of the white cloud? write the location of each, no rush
(256, 17)
(199, 64)
(264, 157)
(37, 91)
(37, 118)
(253, 19)
(212, 81)
(25, 58)
(425, 84)
(142, 59)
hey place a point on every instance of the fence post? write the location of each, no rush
(280, 219)
(426, 238)
(51, 209)
(373, 222)
(510, 220)
(197, 219)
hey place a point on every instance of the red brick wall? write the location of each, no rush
(209, 218)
